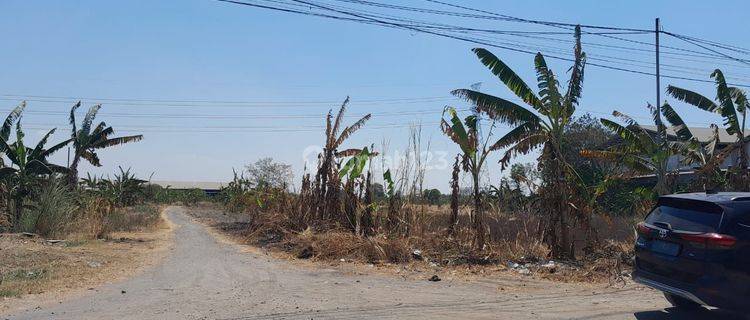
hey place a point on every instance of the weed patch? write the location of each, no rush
(24, 275)
(5, 293)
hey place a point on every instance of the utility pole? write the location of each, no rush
(658, 77)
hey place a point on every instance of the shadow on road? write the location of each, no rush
(674, 314)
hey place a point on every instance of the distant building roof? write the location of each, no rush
(204, 185)
(702, 134)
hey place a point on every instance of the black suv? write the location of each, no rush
(694, 248)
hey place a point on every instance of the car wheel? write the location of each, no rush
(681, 303)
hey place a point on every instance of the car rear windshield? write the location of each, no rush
(686, 215)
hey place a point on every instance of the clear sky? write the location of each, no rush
(287, 69)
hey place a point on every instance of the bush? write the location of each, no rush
(50, 210)
(124, 190)
(159, 194)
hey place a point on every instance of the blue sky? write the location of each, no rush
(207, 50)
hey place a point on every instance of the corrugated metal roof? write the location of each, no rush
(703, 134)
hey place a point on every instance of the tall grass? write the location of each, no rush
(50, 210)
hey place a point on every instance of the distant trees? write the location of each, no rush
(432, 196)
(267, 173)
(587, 133)
(378, 191)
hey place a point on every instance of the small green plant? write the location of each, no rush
(24, 275)
(5, 293)
(74, 243)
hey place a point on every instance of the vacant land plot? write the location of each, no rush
(208, 278)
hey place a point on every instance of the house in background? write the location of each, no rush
(685, 173)
(703, 135)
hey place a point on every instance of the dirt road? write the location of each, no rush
(204, 278)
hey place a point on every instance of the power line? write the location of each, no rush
(508, 48)
(225, 129)
(601, 34)
(382, 22)
(549, 23)
(240, 116)
(719, 45)
(223, 104)
(706, 48)
(630, 62)
(519, 33)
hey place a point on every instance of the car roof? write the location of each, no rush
(719, 197)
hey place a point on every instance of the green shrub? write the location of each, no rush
(124, 190)
(9, 293)
(158, 194)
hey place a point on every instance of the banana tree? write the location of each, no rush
(640, 151)
(88, 139)
(731, 103)
(703, 154)
(5, 131)
(465, 135)
(353, 171)
(391, 195)
(541, 125)
(326, 179)
(26, 167)
(354, 167)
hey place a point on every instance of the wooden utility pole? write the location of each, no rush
(658, 77)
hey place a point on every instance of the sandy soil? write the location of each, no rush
(207, 278)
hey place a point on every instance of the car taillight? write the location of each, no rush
(643, 229)
(710, 240)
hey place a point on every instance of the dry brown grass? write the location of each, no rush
(513, 238)
(337, 245)
(98, 218)
(32, 265)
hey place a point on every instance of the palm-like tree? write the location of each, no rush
(641, 151)
(703, 154)
(88, 139)
(541, 125)
(731, 103)
(474, 154)
(327, 180)
(26, 164)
